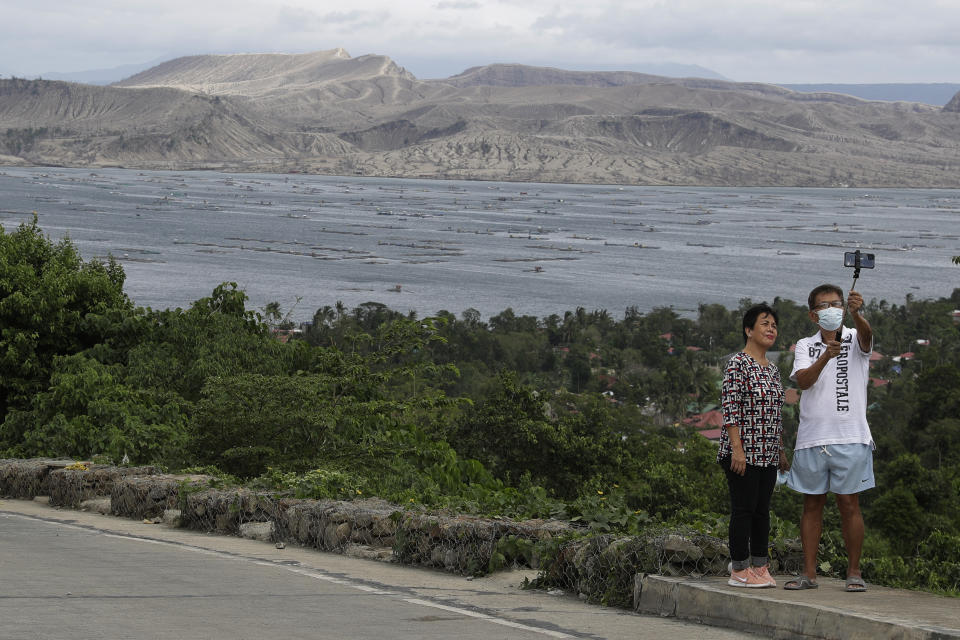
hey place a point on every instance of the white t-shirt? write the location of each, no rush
(834, 409)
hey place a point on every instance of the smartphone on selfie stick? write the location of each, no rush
(858, 261)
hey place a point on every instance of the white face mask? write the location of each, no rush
(830, 318)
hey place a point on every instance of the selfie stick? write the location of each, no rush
(856, 274)
(856, 270)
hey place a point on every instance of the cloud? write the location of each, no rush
(457, 4)
(809, 26)
(302, 20)
(811, 36)
(797, 41)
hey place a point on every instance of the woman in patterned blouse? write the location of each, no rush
(751, 447)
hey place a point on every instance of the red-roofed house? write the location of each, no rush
(706, 420)
(607, 379)
(879, 382)
(711, 434)
(284, 335)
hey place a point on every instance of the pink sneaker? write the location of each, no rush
(746, 578)
(763, 574)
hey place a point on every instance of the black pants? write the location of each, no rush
(750, 510)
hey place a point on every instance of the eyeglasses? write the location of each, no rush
(836, 304)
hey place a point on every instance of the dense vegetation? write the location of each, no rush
(579, 416)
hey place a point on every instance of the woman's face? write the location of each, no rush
(764, 331)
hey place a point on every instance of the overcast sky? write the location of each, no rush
(781, 41)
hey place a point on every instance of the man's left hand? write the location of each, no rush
(854, 302)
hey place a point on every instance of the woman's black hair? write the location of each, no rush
(753, 313)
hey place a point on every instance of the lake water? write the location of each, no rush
(428, 245)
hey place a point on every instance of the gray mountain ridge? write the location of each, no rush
(327, 112)
(933, 93)
(118, 73)
(99, 76)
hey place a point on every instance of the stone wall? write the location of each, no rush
(371, 527)
(600, 568)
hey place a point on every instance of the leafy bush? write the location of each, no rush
(317, 484)
(49, 302)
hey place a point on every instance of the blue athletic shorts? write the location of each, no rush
(837, 468)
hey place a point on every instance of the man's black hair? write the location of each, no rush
(753, 313)
(824, 288)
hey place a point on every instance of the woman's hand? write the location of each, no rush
(784, 463)
(738, 461)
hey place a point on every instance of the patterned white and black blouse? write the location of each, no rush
(752, 399)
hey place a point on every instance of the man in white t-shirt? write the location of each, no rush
(834, 451)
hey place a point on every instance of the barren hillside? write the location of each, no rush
(259, 74)
(954, 104)
(329, 113)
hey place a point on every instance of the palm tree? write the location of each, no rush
(323, 316)
(272, 312)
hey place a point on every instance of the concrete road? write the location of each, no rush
(71, 574)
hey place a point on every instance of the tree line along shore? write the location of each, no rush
(582, 417)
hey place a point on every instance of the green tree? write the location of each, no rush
(88, 410)
(913, 501)
(938, 394)
(898, 515)
(514, 432)
(939, 444)
(50, 299)
(336, 407)
(577, 364)
(179, 350)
